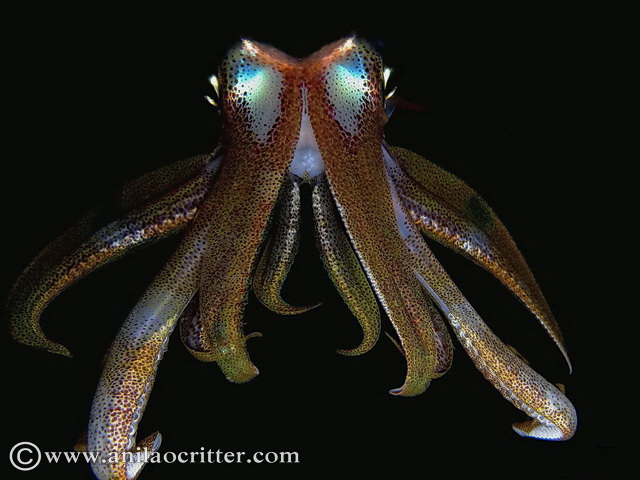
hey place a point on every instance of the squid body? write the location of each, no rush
(285, 122)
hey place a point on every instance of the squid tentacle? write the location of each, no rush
(444, 345)
(261, 130)
(79, 252)
(227, 267)
(196, 336)
(161, 180)
(385, 263)
(192, 332)
(347, 116)
(390, 288)
(132, 361)
(443, 339)
(554, 417)
(449, 211)
(279, 254)
(343, 267)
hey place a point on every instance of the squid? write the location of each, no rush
(286, 122)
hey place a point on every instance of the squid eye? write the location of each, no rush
(389, 89)
(388, 83)
(385, 76)
(215, 100)
(213, 80)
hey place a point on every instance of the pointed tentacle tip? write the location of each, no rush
(568, 360)
(396, 344)
(411, 387)
(354, 352)
(206, 357)
(306, 308)
(40, 342)
(287, 309)
(244, 375)
(540, 431)
(57, 349)
(62, 350)
(371, 334)
(351, 352)
(565, 355)
(235, 363)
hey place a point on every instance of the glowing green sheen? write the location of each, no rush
(259, 88)
(347, 88)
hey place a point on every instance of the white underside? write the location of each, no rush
(307, 162)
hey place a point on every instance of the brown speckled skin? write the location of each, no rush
(161, 208)
(450, 212)
(133, 358)
(246, 189)
(356, 174)
(279, 253)
(501, 365)
(385, 197)
(216, 257)
(344, 268)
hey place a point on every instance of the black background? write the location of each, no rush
(98, 97)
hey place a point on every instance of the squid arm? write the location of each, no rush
(192, 332)
(553, 415)
(277, 259)
(449, 211)
(347, 118)
(163, 179)
(343, 267)
(83, 249)
(228, 264)
(196, 336)
(214, 260)
(385, 262)
(260, 132)
(132, 361)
